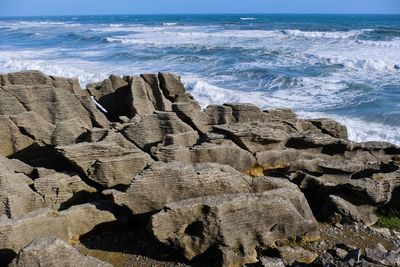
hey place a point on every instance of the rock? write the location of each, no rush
(296, 255)
(331, 127)
(271, 262)
(257, 136)
(341, 253)
(16, 166)
(192, 115)
(110, 162)
(217, 151)
(223, 152)
(288, 160)
(16, 197)
(66, 225)
(60, 190)
(153, 129)
(329, 144)
(217, 115)
(53, 252)
(172, 86)
(246, 112)
(281, 114)
(32, 107)
(163, 183)
(233, 225)
(349, 212)
(376, 254)
(155, 93)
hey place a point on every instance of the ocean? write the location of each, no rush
(345, 67)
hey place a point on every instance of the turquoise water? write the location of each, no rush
(342, 66)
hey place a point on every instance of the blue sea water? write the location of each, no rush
(346, 67)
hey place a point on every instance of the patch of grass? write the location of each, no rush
(388, 218)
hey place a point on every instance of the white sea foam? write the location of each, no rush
(247, 18)
(169, 23)
(361, 130)
(324, 34)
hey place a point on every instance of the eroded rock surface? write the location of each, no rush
(232, 226)
(53, 252)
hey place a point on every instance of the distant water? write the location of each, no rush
(340, 66)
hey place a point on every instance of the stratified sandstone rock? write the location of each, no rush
(258, 136)
(153, 129)
(60, 189)
(223, 152)
(246, 112)
(66, 225)
(16, 166)
(163, 183)
(341, 210)
(109, 162)
(33, 105)
(331, 127)
(217, 151)
(296, 255)
(16, 197)
(230, 227)
(219, 115)
(53, 252)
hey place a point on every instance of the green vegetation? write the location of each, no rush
(389, 218)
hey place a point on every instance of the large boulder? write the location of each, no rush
(153, 129)
(53, 252)
(109, 162)
(66, 225)
(60, 190)
(230, 227)
(16, 196)
(163, 183)
(33, 106)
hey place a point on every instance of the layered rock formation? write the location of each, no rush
(220, 185)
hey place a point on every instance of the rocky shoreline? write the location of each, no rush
(131, 172)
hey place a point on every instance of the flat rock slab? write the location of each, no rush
(163, 183)
(66, 225)
(53, 252)
(108, 162)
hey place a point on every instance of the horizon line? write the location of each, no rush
(191, 14)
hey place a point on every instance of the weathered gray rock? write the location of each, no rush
(109, 162)
(16, 197)
(341, 210)
(53, 252)
(223, 152)
(281, 114)
(271, 262)
(217, 151)
(66, 225)
(298, 255)
(233, 225)
(16, 166)
(246, 112)
(257, 136)
(217, 115)
(289, 160)
(155, 93)
(172, 86)
(153, 129)
(32, 105)
(59, 190)
(192, 115)
(331, 127)
(163, 183)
